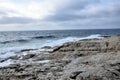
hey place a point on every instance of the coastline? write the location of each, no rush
(87, 59)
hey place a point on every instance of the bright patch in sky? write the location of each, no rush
(31, 9)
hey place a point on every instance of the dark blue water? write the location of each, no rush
(17, 40)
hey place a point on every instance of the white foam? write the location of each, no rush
(69, 39)
(44, 61)
(6, 63)
(93, 36)
(8, 54)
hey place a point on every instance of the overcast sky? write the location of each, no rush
(59, 14)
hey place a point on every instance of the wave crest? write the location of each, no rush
(43, 37)
(28, 39)
(11, 41)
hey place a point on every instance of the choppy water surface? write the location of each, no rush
(18, 40)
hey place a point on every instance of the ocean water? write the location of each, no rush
(15, 41)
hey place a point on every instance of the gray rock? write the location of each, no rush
(92, 59)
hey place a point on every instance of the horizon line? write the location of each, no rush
(60, 29)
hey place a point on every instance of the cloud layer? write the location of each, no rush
(62, 14)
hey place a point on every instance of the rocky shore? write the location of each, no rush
(93, 59)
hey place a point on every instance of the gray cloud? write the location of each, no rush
(77, 14)
(88, 14)
(68, 11)
(16, 20)
(82, 9)
(5, 19)
(2, 13)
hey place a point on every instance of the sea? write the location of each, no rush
(12, 42)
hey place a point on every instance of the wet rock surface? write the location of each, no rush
(95, 59)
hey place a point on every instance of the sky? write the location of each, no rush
(17, 15)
